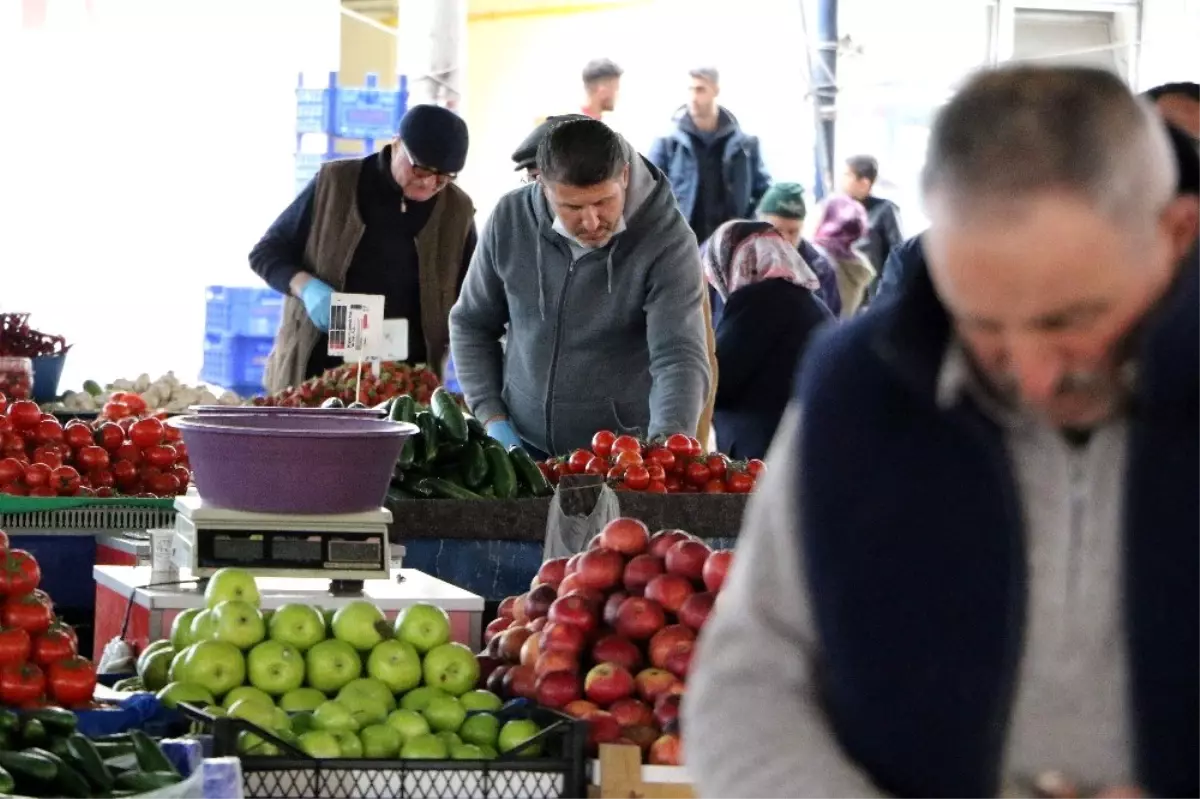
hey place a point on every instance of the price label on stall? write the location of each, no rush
(355, 325)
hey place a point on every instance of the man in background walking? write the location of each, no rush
(883, 216)
(602, 86)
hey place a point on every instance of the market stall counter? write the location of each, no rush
(153, 609)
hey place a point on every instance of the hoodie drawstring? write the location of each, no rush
(541, 281)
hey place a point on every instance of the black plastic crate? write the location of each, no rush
(560, 773)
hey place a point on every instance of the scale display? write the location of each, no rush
(276, 550)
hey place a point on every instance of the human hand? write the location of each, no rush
(316, 296)
(503, 431)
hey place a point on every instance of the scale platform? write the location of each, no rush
(348, 547)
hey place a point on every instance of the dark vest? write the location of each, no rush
(919, 594)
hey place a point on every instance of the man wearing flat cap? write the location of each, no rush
(525, 156)
(391, 224)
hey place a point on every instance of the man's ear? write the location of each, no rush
(1181, 222)
(625, 177)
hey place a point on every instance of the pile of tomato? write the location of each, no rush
(675, 465)
(391, 379)
(39, 654)
(123, 453)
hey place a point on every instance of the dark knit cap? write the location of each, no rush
(525, 156)
(435, 137)
(785, 200)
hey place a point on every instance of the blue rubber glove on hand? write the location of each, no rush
(315, 295)
(503, 431)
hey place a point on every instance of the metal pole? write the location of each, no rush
(825, 92)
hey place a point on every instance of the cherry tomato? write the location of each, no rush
(547, 470)
(578, 462)
(115, 410)
(637, 478)
(164, 484)
(737, 482)
(714, 486)
(37, 475)
(43, 491)
(102, 478)
(679, 445)
(24, 414)
(125, 474)
(128, 452)
(656, 487)
(49, 431)
(21, 684)
(15, 490)
(657, 472)
(616, 473)
(755, 467)
(183, 476)
(596, 465)
(109, 436)
(602, 443)
(162, 456)
(135, 403)
(559, 467)
(89, 459)
(147, 473)
(3, 402)
(19, 573)
(10, 471)
(26, 613)
(77, 435)
(181, 452)
(84, 491)
(717, 464)
(6, 425)
(126, 423)
(65, 480)
(15, 647)
(626, 444)
(14, 444)
(171, 434)
(627, 457)
(698, 473)
(146, 433)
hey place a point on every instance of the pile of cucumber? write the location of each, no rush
(41, 754)
(453, 457)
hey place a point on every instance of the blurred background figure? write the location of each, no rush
(1179, 104)
(883, 216)
(525, 156)
(716, 170)
(840, 228)
(601, 86)
(783, 207)
(767, 311)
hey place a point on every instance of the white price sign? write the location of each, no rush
(355, 325)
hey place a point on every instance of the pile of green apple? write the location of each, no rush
(342, 684)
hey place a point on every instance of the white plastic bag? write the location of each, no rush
(568, 531)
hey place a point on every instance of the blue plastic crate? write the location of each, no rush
(235, 362)
(242, 311)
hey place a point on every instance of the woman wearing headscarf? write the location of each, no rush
(767, 311)
(843, 222)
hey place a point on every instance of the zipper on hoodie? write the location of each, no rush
(1077, 508)
(558, 326)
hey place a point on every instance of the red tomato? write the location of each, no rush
(84, 491)
(24, 414)
(72, 682)
(694, 448)
(657, 487)
(19, 573)
(89, 459)
(49, 417)
(673, 483)
(15, 646)
(602, 443)
(128, 452)
(37, 475)
(547, 470)
(125, 474)
(6, 425)
(679, 445)
(77, 435)
(657, 472)
(181, 452)
(15, 490)
(43, 491)
(109, 436)
(662, 456)
(755, 467)
(102, 478)
(51, 646)
(697, 473)
(26, 613)
(717, 464)
(171, 434)
(578, 462)
(739, 482)
(162, 456)
(714, 486)
(48, 455)
(627, 458)
(627, 444)
(135, 403)
(146, 433)
(65, 480)
(49, 431)
(616, 473)
(163, 484)
(3, 402)
(105, 492)
(147, 473)
(21, 684)
(637, 477)
(596, 465)
(10, 471)
(126, 423)
(115, 410)
(183, 476)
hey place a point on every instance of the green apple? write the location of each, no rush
(283, 721)
(380, 741)
(302, 626)
(481, 729)
(481, 700)
(302, 722)
(466, 752)
(368, 699)
(424, 626)
(254, 711)
(177, 671)
(424, 747)
(301, 699)
(334, 717)
(216, 665)
(451, 667)
(409, 723)
(162, 643)
(154, 665)
(181, 629)
(231, 584)
(320, 744)
(191, 693)
(239, 623)
(349, 743)
(396, 664)
(216, 711)
(204, 627)
(517, 732)
(444, 713)
(418, 698)
(360, 624)
(247, 692)
(489, 752)
(251, 745)
(327, 615)
(275, 667)
(331, 664)
(451, 738)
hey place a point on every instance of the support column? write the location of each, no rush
(433, 50)
(825, 92)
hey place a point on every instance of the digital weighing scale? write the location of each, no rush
(345, 548)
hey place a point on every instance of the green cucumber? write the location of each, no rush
(415, 486)
(504, 477)
(386, 405)
(149, 756)
(474, 466)
(528, 473)
(67, 781)
(31, 765)
(56, 720)
(7, 784)
(404, 409)
(429, 437)
(110, 749)
(33, 733)
(476, 431)
(449, 414)
(445, 489)
(146, 781)
(333, 402)
(87, 759)
(9, 720)
(408, 453)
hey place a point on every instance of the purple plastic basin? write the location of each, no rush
(238, 410)
(291, 463)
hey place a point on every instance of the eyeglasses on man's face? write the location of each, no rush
(422, 172)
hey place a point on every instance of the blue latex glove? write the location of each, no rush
(503, 431)
(315, 296)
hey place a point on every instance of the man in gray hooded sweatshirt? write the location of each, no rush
(591, 275)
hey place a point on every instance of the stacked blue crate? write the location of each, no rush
(239, 330)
